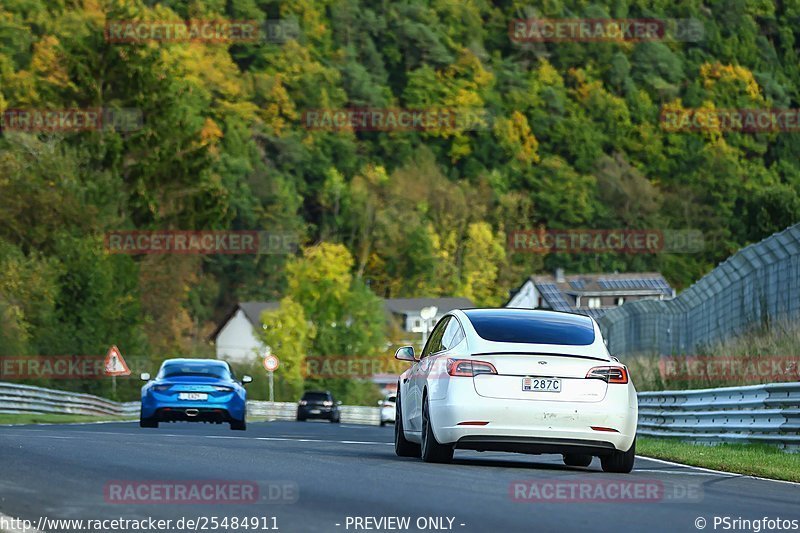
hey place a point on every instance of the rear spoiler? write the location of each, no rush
(553, 354)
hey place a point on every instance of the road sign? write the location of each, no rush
(114, 364)
(271, 363)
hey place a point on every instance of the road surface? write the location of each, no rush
(318, 476)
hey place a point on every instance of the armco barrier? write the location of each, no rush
(28, 399)
(758, 413)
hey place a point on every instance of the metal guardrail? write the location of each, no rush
(16, 399)
(352, 414)
(758, 413)
(29, 399)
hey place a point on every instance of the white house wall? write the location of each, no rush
(526, 298)
(236, 341)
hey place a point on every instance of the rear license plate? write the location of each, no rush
(315, 411)
(541, 384)
(192, 396)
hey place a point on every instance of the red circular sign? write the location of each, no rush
(271, 363)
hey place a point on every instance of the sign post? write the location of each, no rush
(271, 363)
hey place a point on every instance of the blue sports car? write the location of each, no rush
(201, 390)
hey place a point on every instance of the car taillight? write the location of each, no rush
(222, 389)
(303, 402)
(161, 387)
(327, 403)
(468, 368)
(609, 374)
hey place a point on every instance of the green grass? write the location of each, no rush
(760, 460)
(33, 418)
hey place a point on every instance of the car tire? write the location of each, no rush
(432, 451)
(238, 425)
(402, 446)
(148, 422)
(383, 423)
(301, 418)
(619, 462)
(577, 459)
(335, 420)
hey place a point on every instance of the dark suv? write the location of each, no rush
(318, 404)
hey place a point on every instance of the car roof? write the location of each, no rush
(185, 361)
(516, 311)
(317, 392)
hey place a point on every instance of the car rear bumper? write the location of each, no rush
(325, 413)
(194, 411)
(517, 425)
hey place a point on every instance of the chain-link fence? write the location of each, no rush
(758, 285)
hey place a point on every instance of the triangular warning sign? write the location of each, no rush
(114, 364)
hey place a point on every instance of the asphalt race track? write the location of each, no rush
(323, 473)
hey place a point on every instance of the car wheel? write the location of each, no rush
(402, 446)
(335, 420)
(300, 418)
(238, 425)
(148, 422)
(432, 451)
(577, 459)
(383, 423)
(619, 462)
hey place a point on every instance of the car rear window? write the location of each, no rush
(315, 396)
(532, 327)
(212, 371)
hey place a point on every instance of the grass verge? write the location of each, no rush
(34, 418)
(760, 460)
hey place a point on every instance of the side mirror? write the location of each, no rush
(406, 353)
(247, 379)
(144, 376)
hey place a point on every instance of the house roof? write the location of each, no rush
(252, 311)
(560, 295)
(404, 306)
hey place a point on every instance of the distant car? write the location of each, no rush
(387, 406)
(194, 390)
(517, 380)
(318, 404)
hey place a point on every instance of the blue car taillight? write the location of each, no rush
(222, 389)
(161, 388)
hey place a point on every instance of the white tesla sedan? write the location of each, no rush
(517, 380)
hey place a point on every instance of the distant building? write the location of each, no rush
(236, 336)
(408, 312)
(589, 294)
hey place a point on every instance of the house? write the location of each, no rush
(589, 294)
(236, 337)
(408, 311)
